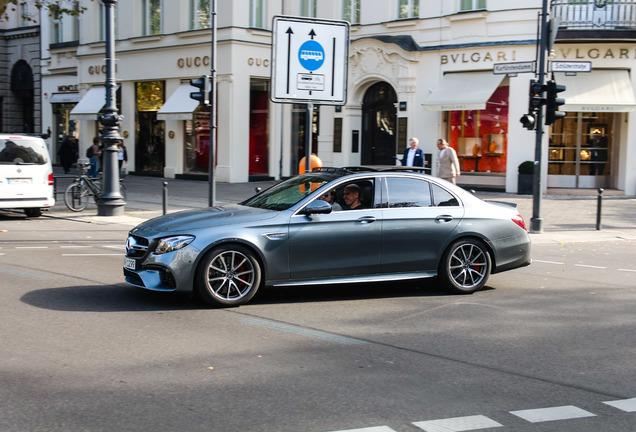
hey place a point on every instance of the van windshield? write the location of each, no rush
(22, 151)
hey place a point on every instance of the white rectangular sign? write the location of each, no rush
(513, 68)
(571, 66)
(309, 60)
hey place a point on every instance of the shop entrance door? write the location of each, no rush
(259, 102)
(379, 118)
(580, 150)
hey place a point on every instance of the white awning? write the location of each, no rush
(90, 105)
(64, 98)
(463, 91)
(179, 105)
(599, 91)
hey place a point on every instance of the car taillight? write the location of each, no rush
(51, 180)
(518, 219)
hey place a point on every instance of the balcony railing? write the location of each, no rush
(595, 14)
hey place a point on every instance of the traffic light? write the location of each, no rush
(203, 95)
(537, 99)
(528, 121)
(553, 103)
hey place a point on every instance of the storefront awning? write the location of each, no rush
(463, 91)
(179, 105)
(64, 98)
(598, 91)
(90, 105)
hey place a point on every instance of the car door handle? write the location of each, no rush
(444, 218)
(366, 220)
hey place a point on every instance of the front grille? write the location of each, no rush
(136, 247)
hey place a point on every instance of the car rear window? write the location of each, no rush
(22, 151)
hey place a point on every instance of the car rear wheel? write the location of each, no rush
(228, 276)
(465, 266)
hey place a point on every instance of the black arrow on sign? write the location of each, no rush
(312, 33)
(289, 33)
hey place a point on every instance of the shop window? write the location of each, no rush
(480, 136)
(408, 8)
(351, 11)
(151, 17)
(580, 145)
(470, 5)
(199, 14)
(257, 14)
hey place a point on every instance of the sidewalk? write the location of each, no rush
(568, 215)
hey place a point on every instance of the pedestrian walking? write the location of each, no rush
(448, 161)
(413, 155)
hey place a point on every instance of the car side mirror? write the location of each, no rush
(317, 207)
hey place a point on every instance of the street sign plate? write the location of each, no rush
(309, 60)
(571, 66)
(514, 68)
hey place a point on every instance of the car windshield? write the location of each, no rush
(22, 152)
(288, 193)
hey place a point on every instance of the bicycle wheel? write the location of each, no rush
(76, 197)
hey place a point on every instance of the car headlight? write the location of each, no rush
(169, 244)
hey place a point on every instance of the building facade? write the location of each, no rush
(20, 101)
(416, 68)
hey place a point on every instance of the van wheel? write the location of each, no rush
(33, 212)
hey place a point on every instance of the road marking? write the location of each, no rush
(75, 247)
(627, 270)
(547, 262)
(458, 424)
(550, 414)
(114, 246)
(369, 429)
(627, 405)
(589, 266)
(31, 247)
(305, 332)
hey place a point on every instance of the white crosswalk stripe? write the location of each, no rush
(627, 405)
(458, 424)
(552, 414)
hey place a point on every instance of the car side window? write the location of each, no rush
(408, 192)
(443, 198)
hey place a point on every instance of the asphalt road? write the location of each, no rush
(544, 348)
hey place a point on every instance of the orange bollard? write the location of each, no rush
(314, 162)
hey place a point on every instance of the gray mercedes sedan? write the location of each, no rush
(332, 225)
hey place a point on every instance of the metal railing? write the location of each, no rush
(595, 14)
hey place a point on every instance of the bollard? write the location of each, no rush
(165, 197)
(599, 207)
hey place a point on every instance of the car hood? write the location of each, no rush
(186, 221)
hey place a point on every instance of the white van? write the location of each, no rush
(26, 174)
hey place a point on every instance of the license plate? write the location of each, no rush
(19, 180)
(130, 264)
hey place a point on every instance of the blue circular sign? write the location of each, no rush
(311, 55)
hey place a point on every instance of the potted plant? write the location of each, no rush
(524, 180)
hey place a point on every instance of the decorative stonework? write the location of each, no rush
(371, 61)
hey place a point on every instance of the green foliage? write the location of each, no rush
(526, 167)
(55, 8)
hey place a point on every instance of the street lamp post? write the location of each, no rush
(110, 202)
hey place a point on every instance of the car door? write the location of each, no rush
(418, 218)
(339, 244)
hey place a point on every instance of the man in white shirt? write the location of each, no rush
(413, 155)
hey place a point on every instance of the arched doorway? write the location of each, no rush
(379, 118)
(22, 88)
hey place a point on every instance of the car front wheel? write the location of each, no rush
(465, 266)
(228, 276)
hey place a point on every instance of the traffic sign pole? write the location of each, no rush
(536, 222)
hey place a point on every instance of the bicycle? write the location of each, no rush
(78, 193)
